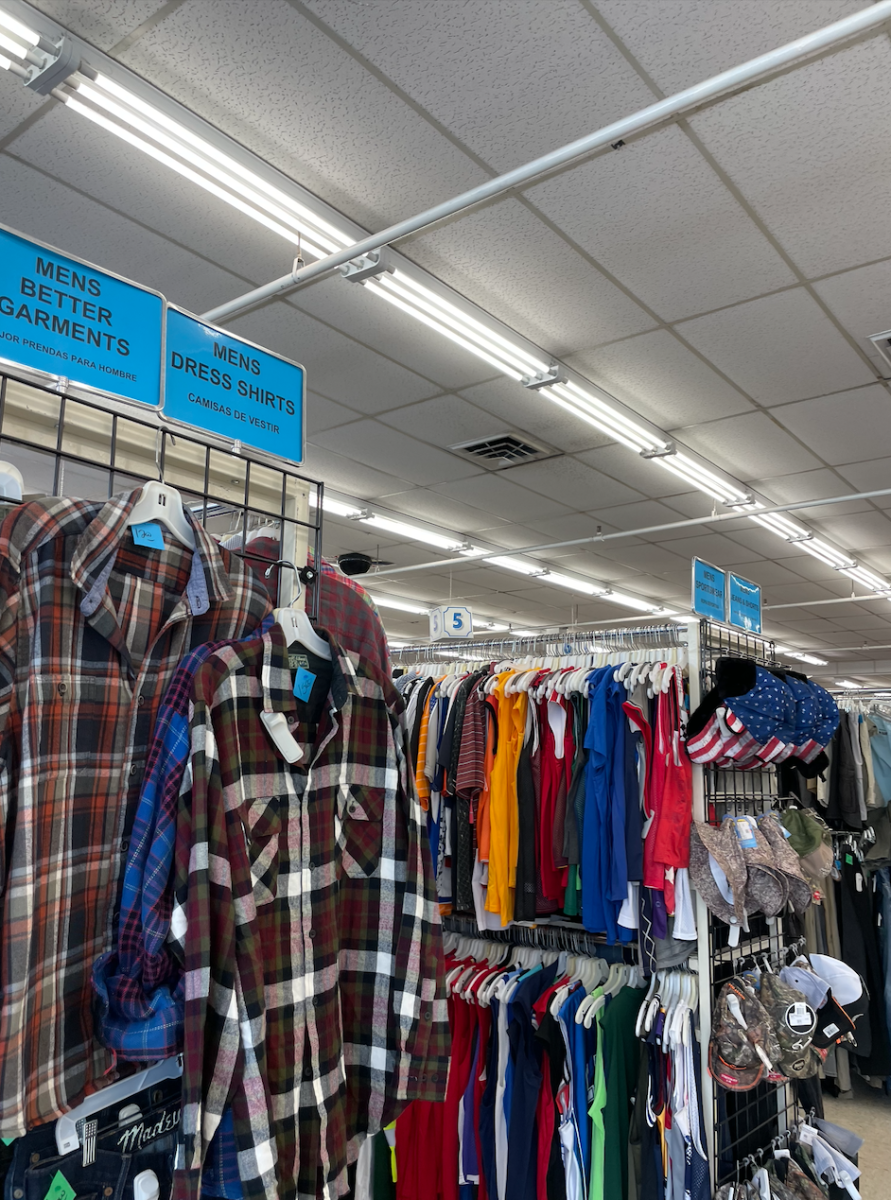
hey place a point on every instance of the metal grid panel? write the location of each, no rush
(745, 1122)
(87, 448)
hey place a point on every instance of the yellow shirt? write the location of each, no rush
(504, 823)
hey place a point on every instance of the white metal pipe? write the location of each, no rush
(689, 522)
(838, 600)
(645, 118)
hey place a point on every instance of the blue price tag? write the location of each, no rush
(303, 682)
(148, 534)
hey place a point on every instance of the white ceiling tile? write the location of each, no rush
(799, 351)
(345, 475)
(312, 110)
(531, 412)
(862, 532)
(794, 592)
(749, 446)
(694, 250)
(487, 256)
(641, 474)
(769, 574)
(713, 547)
(336, 367)
(430, 506)
(393, 451)
(844, 428)
(444, 421)
(661, 379)
(768, 545)
(874, 475)
(358, 312)
(572, 482)
(640, 515)
(103, 23)
(808, 155)
(695, 39)
(16, 103)
(807, 485)
(573, 525)
(495, 494)
(525, 46)
(860, 300)
(655, 560)
(326, 414)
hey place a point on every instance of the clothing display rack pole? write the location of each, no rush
(546, 935)
(555, 644)
(692, 98)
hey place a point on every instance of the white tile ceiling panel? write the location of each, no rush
(573, 525)
(860, 300)
(713, 547)
(491, 577)
(445, 421)
(367, 318)
(794, 146)
(870, 476)
(793, 593)
(640, 515)
(16, 103)
(849, 427)
(495, 494)
(512, 536)
(646, 477)
(322, 413)
(655, 560)
(335, 365)
(807, 485)
(101, 22)
(46, 209)
(778, 348)
(447, 56)
(658, 217)
(768, 545)
(532, 412)
(573, 483)
(749, 446)
(812, 569)
(392, 451)
(661, 379)
(863, 532)
(309, 109)
(345, 475)
(504, 259)
(451, 514)
(768, 574)
(695, 39)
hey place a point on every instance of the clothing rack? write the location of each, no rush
(552, 643)
(553, 935)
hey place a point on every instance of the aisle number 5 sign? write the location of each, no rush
(450, 622)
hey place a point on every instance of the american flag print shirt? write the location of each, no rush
(308, 923)
(91, 630)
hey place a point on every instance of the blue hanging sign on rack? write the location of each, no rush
(743, 603)
(709, 590)
(233, 388)
(67, 318)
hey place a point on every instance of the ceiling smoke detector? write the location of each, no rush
(504, 450)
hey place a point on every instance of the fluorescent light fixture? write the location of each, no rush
(515, 564)
(396, 645)
(605, 417)
(337, 508)
(11, 47)
(867, 578)
(778, 523)
(5, 63)
(413, 532)
(20, 30)
(399, 605)
(684, 618)
(702, 479)
(629, 601)
(574, 585)
(821, 550)
(813, 660)
(847, 683)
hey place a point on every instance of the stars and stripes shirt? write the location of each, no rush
(307, 918)
(91, 630)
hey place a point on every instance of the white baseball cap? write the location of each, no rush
(846, 984)
(809, 983)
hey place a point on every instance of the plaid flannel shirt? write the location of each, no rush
(91, 630)
(314, 984)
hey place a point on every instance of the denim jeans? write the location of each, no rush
(123, 1150)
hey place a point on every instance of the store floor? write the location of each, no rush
(869, 1114)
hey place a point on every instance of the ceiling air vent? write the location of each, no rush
(504, 450)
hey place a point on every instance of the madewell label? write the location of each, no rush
(228, 386)
(64, 317)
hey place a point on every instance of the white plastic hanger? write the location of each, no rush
(161, 503)
(67, 1140)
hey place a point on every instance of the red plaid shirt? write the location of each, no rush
(91, 630)
(306, 906)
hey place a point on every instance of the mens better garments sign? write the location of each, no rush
(67, 318)
(231, 387)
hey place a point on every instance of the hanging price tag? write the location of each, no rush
(60, 1188)
(149, 534)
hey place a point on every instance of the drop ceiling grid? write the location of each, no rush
(422, 401)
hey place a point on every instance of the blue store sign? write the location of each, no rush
(64, 317)
(709, 590)
(744, 606)
(233, 388)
